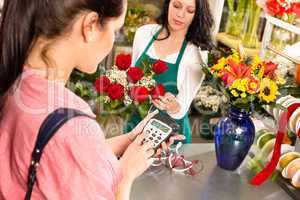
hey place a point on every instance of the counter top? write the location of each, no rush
(213, 183)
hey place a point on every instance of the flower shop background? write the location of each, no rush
(265, 29)
(257, 36)
(249, 23)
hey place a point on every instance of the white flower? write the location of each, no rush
(127, 100)
(119, 76)
(147, 82)
(107, 99)
(210, 98)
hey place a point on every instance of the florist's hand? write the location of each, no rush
(166, 145)
(139, 128)
(168, 103)
(137, 158)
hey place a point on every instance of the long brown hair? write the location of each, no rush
(199, 32)
(23, 21)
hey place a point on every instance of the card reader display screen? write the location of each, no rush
(160, 126)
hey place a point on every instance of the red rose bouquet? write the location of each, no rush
(124, 89)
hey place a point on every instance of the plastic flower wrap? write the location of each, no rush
(124, 89)
(248, 82)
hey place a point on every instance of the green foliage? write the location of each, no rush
(136, 17)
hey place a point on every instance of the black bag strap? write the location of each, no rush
(49, 127)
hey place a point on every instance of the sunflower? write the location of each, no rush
(268, 90)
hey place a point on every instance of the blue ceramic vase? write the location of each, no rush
(234, 135)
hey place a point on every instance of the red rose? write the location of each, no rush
(115, 91)
(158, 90)
(139, 94)
(135, 74)
(102, 84)
(123, 61)
(296, 8)
(160, 67)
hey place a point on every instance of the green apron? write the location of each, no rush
(169, 80)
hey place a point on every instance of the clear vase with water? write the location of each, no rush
(251, 22)
(234, 26)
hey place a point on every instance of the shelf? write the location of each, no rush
(271, 22)
(282, 24)
(233, 42)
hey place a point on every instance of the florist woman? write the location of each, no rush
(178, 44)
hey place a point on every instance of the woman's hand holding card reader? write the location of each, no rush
(159, 129)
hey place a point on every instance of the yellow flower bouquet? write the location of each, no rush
(248, 82)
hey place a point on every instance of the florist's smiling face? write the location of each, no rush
(181, 14)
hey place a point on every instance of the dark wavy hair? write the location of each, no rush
(24, 21)
(199, 32)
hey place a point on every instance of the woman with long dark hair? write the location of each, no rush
(41, 42)
(181, 38)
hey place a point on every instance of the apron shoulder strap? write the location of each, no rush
(147, 47)
(151, 41)
(181, 52)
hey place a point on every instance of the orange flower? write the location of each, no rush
(236, 71)
(253, 86)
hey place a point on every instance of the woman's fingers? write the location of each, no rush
(150, 161)
(164, 146)
(158, 104)
(139, 139)
(168, 98)
(178, 137)
(168, 94)
(175, 138)
(168, 102)
(164, 100)
(158, 152)
(170, 142)
(151, 114)
(147, 146)
(144, 122)
(150, 153)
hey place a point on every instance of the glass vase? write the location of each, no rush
(252, 19)
(234, 26)
(234, 135)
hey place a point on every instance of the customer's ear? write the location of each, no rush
(90, 26)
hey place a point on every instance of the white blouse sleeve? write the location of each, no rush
(190, 78)
(136, 47)
(141, 39)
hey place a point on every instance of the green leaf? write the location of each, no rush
(143, 109)
(275, 176)
(114, 104)
(78, 87)
(279, 106)
(251, 98)
(100, 99)
(242, 103)
(101, 70)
